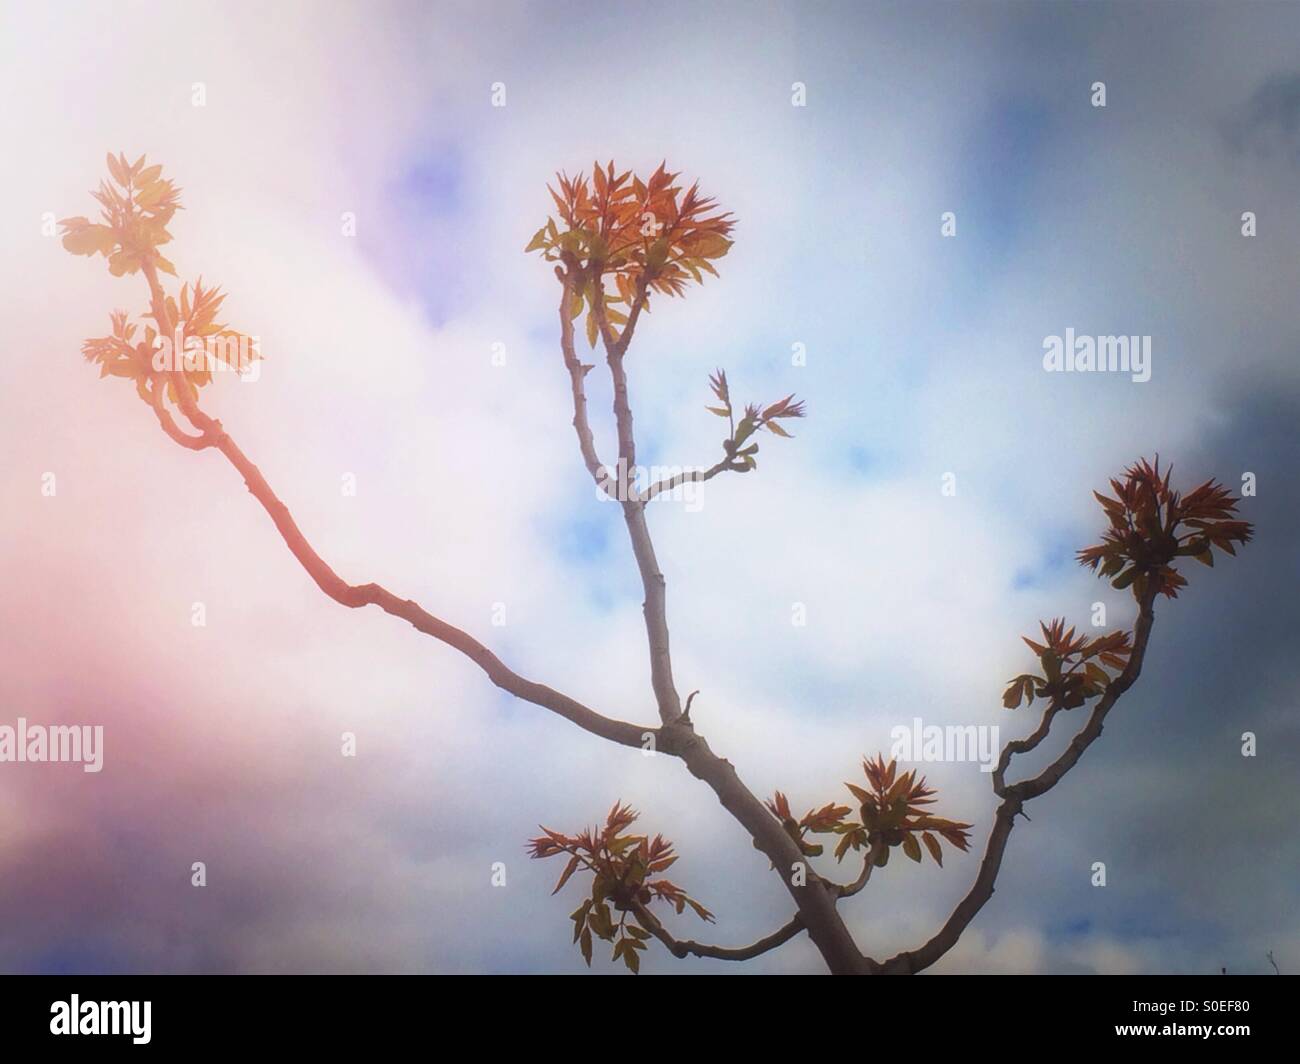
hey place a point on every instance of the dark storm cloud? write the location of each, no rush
(1269, 122)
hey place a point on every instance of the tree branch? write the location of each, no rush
(686, 947)
(813, 895)
(373, 594)
(168, 423)
(1023, 746)
(1015, 796)
(354, 595)
(694, 476)
(655, 606)
(615, 348)
(577, 374)
(868, 866)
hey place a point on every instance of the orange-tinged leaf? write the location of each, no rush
(932, 844)
(116, 169)
(569, 869)
(90, 240)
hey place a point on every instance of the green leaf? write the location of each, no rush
(1051, 666)
(912, 848)
(657, 254)
(709, 246)
(1096, 674)
(538, 242)
(858, 793)
(932, 844)
(579, 918)
(569, 869)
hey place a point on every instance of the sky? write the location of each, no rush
(350, 183)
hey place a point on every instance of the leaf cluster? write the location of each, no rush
(646, 235)
(739, 451)
(815, 821)
(136, 205)
(1074, 666)
(892, 812)
(625, 870)
(1146, 530)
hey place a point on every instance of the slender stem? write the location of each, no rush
(687, 947)
(693, 477)
(868, 866)
(577, 382)
(655, 605)
(373, 594)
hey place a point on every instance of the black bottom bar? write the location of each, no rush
(531, 1014)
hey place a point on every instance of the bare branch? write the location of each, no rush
(816, 902)
(213, 435)
(157, 390)
(1023, 746)
(655, 606)
(367, 594)
(615, 348)
(694, 476)
(868, 866)
(577, 374)
(687, 947)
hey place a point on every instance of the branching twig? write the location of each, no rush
(868, 866)
(211, 434)
(687, 947)
(1014, 797)
(695, 476)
